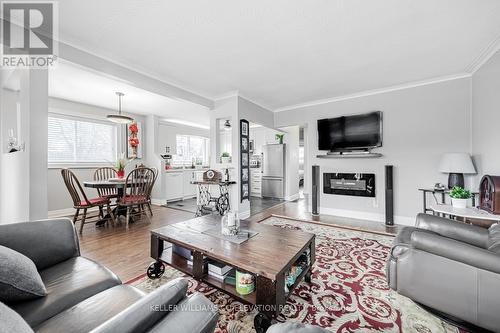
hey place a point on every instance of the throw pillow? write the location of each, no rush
(19, 279)
(12, 321)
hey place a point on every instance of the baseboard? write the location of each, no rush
(244, 215)
(158, 202)
(376, 217)
(292, 197)
(65, 212)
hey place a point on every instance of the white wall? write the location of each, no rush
(14, 175)
(24, 174)
(291, 139)
(420, 124)
(486, 119)
(227, 108)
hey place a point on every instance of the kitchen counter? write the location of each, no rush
(173, 170)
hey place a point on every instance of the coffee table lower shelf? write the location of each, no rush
(269, 295)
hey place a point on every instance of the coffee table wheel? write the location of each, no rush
(156, 270)
(261, 323)
(308, 277)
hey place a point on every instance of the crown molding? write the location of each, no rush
(133, 68)
(232, 93)
(376, 91)
(236, 93)
(485, 55)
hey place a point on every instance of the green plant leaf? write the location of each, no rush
(458, 192)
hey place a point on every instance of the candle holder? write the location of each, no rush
(230, 224)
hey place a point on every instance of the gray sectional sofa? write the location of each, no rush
(451, 267)
(84, 296)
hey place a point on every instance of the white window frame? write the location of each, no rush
(206, 161)
(83, 164)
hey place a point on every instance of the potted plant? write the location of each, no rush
(225, 158)
(120, 165)
(459, 197)
(279, 138)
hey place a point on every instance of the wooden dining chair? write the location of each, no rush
(155, 171)
(106, 173)
(82, 202)
(138, 186)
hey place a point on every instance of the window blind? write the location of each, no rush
(80, 140)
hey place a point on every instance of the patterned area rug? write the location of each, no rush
(349, 292)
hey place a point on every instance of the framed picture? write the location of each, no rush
(245, 160)
(244, 144)
(244, 175)
(133, 135)
(244, 190)
(244, 128)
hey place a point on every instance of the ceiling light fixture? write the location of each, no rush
(119, 118)
(227, 125)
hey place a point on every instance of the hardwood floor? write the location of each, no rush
(126, 252)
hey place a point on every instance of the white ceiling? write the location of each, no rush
(75, 83)
(284, 52)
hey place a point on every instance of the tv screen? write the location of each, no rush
(355, 132)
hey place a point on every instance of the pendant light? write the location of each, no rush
(119, 118)
(227, 125)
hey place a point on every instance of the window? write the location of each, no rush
(75, 140)
(189, 148)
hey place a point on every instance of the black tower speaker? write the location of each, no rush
(315, 190)
(389, 195)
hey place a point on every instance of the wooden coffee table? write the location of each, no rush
(268, 256)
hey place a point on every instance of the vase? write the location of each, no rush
(459, 203)
(120, 173)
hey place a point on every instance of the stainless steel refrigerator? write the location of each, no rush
(273, 171)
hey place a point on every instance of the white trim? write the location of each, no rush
(232, 93)
(485, 55)
(292, 197)
(256, 103)
(65, 49)
(65, 212)
(376, 91)
(236, 93)
(158, 202)
(61, 212)
(374, 217)
(244, 215)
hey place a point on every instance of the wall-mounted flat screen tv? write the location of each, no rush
(356, 132)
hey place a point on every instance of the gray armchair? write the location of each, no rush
(84, 296)
(451, 267)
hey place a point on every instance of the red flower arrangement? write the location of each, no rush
(133, 141)
(133, 128)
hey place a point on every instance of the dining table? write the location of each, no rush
(119, 185)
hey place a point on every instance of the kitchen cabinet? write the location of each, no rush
(255, 182)
(178, 183)
(174, 182)
(189, 190)
(167, 137)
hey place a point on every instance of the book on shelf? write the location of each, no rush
(218, 267)
(216, 276)
(230, 277)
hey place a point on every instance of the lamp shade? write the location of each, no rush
(456, 163)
